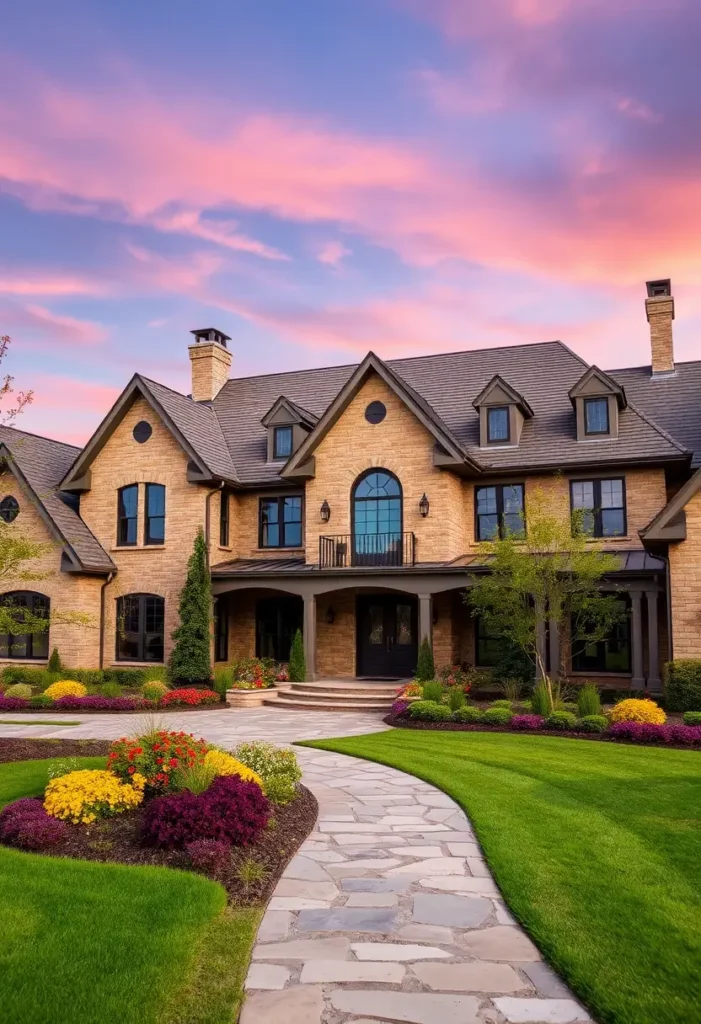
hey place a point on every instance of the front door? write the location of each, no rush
(387, 629)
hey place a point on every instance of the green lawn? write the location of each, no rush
(86, 943)
(596, 847)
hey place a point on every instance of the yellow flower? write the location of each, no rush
(83, 796)
(634, 710)
(225, 764)
(65, 688)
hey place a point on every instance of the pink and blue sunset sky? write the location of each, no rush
(324, 177)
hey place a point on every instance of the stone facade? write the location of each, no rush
(685, 585)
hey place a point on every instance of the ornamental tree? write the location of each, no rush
(550, 572)
(425, 666)
(190, 658)
(298, 666)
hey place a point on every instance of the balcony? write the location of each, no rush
(388, 550)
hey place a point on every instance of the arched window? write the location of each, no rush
(21, 612)
(140, 627)
(377, 519)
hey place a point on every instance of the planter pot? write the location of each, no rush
(249, 698)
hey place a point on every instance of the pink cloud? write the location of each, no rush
(333, 253)
(49, 283)
(634, 108)
(42, 324)
(221, 232)
(66, 408)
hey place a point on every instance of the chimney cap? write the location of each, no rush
(656, 289)
(211, 334)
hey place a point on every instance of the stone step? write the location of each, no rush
(291, 696)
(331, 704)
(378, 692)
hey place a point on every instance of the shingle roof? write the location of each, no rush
(674, 402)
(43, 463)
(448, 383)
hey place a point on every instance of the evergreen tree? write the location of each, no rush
(190, 659)
(54, 664)
(298, 667)
(425, 667)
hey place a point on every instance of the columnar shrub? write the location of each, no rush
(683, 685)
(231, 810)
(155, 756)
(190, 656)
(83, 796)
(66, 688)
(527, 723)
(425, 666)
(634, 710)
(54, 663)
(298, 667)
(430, 711)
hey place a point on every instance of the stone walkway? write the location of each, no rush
(389, 912)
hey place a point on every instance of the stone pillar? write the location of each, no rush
(554, 649)
(654, 683)
(310, 635)
(425, 617)
(636, 631)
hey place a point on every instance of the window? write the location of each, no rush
(22, 609)
(487, 645)
(610, 655)
(140, 627)
(127, 514)
(596, 416)
(282, 442)
(599, 507)
(499, 511)
(155, 526)
(375, 412)
(277, 621)
(224, 520)
(281, 522)
(498, 424)
(9, 509)
(221, 630)
(377, 519)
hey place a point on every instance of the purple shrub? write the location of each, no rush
(230, 811)
(527, 723)
(400, 707)
(687, 735)
(210, 855)
(643, 732)
(13, 703)
(26, 824)
(94, 702)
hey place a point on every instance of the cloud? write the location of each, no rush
(333, 253)
(221, 232)
(66, 408)
(36, 282)
(40, 324)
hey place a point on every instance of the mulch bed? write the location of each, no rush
(567, 734)
(19, 749)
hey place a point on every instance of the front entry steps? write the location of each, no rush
(337, 695)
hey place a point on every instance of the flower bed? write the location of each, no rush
(172, 700)
(189, 805)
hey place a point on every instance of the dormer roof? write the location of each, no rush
(595, 382)
(499, 392)
(295, 412)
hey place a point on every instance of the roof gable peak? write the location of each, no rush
(597, 381)
(498, 386)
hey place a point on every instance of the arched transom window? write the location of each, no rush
(377, 519)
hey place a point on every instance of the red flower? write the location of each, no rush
(132, 769)
(173, 762)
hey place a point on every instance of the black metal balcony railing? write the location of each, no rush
(380, 549)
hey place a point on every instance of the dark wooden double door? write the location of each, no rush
(387, 628)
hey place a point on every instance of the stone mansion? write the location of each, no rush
(351, 501)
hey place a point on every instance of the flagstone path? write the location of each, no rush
(388, 914)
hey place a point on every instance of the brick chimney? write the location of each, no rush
(659, 306)
(211, 362)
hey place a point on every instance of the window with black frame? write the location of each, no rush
(155, 519)
(599, 507)
(499, 511)
(221, 630)
(377, 519)
(140, 627)
(224, 519)
(24, 607)
(282, 442)
(487, 645)
(609, 655)
(127, 515)
(498, 424)
(281, 522)
(596, 416)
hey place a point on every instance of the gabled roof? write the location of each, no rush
(418, 405)
(295, 412)
(670, 523)
(608, 386)
(498, 383)
(39, 464)
(193, 424)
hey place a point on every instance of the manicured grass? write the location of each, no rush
(11, 721)
(596, 847)
(86, 943)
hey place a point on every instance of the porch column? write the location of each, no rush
(425, 617)
(554, 649)
(310, 635)
(654, 683)
(636, 629)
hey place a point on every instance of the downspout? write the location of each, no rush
(103, 587)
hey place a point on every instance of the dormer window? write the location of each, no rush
(596, 416)
(502, 412)
(498, 424)
(282, 442)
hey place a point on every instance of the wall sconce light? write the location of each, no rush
(325, 511)
(424, 506)
(330, 615)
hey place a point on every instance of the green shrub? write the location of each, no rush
(541, 702)
(561, 720)
(497, 716)
(503, 703)
(593, 723)
(19, 690)
(469, 714)
(280, 790)
(49, 678)
(298, 665)
(456, 698)
(40, 700)
(277, 766)
(154, 690)
(425, 666)
(154, 673)
(683, 685)
(692, 718)
(190, 659)
(54, 664)
(110, 690)
(570, 706)
(589, 701)
(511, 688)
(31, 675)
(429, 711)
(91, 676)
(432, 690)
(132, 678)
(223, 679)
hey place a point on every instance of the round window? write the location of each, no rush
(375, 412)
(9, 509)
(142, 431)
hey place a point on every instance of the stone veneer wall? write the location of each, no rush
(685, 583)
